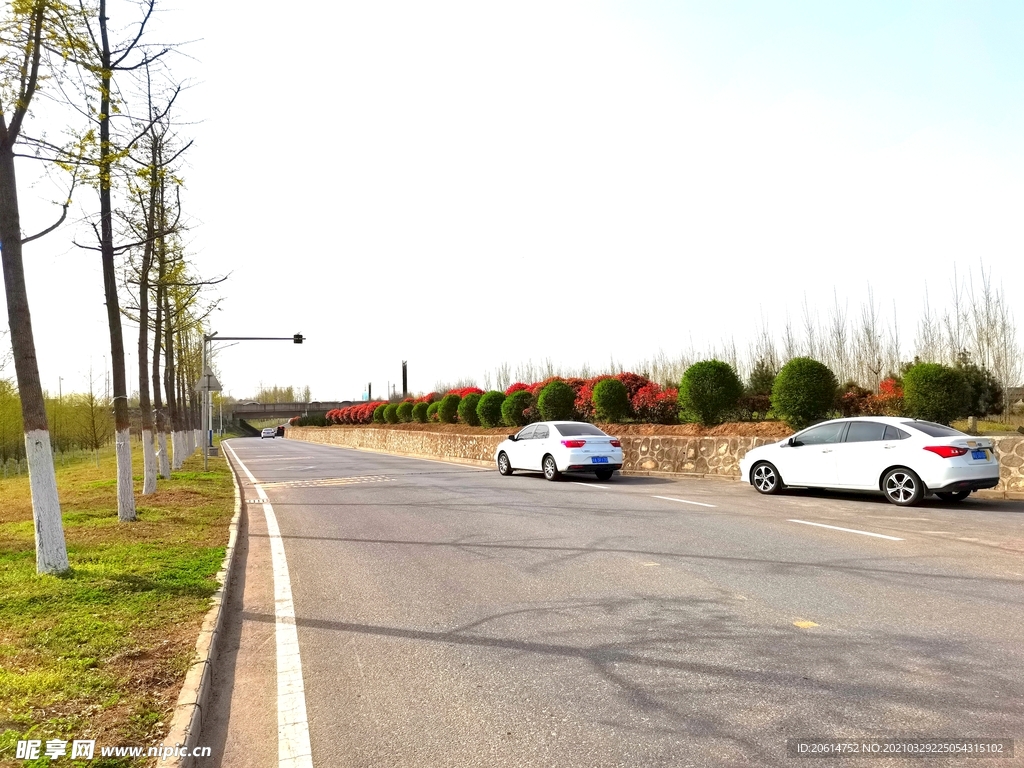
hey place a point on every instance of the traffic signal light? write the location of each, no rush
(297, 338)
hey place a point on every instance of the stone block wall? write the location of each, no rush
(669, 455)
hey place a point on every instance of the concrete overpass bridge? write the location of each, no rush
(250, 411)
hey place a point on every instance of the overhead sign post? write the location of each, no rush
(208, 382)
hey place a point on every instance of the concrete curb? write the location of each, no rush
(187, 721)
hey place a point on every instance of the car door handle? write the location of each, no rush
(826, 450)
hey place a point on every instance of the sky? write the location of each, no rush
(466, 184)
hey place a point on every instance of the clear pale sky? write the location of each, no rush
(465, 184)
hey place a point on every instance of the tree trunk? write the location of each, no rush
(122, 444)
(170, 384)
(149, 457)
(51, 550)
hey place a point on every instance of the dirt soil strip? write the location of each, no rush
(187, 721)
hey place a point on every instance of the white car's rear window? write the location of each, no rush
(575, 429)
(934, 430)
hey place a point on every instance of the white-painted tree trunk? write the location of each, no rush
(125, 486)
(148, 463)
(51, 550)
(163, 456)
(178, 446)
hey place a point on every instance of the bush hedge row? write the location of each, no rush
(801, 392)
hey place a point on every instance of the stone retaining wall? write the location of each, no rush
(669, 455)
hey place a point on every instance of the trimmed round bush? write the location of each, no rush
(404, 411)
(419, 412)
(709, 390)
(432, 410)
(391, 413)
(556, 402)
(611, 400)
(448, 409)
(514, 406)
(488, 410)
(935, 392)
(804, 392)
(467, 409)
(378, 413)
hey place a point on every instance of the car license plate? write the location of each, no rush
(979, 454)
(599, 459)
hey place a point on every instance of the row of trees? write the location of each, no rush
(110, 93)
(862, 344)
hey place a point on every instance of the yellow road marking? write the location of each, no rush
(804, 624)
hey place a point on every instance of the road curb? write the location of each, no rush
(187, 721)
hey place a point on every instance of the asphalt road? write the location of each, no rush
(448, 616)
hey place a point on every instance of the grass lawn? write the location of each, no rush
(101, 652)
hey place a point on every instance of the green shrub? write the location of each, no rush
(611, 400)
(404, 411)
(513, 407)
(556, 402)
(709, 390)
(488, 410)
(762, 378)
(378, 413)
(419, 412)
(804, 392)
(985, 395)
(448, 409)
(432, 410)
(391, 413)
(935, 392)
(313, 420)
(467, 410)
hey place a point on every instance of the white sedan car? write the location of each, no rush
(554, 447)
(268, 432)
(904, 459)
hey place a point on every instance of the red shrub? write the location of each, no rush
(655, 405)
(633, 382)
(584, 398)
(890, 388)
(518, 386)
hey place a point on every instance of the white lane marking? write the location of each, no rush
(293, 749)
(848, 530)
(590, 485)
(684, 501)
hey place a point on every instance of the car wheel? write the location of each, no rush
(902, 487)
(604, 474)
(504, 467)
(765, 478)
(550, 468)
(954, 495)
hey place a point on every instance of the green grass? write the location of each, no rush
(101, 651)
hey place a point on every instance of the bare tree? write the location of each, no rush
(27, 28)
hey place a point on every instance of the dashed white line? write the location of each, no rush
(848, 530)
(293, 749)
(590, 485)
(685, 501)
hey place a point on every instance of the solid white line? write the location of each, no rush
(293, 750)
(589, 485)
(684, 501)
(848, 530)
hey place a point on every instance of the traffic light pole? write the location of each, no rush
(297, 338)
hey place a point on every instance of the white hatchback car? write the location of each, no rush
(268, 432)
(554, 447)
(904, 459)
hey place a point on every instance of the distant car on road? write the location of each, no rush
(268, 432)
(554, 447)
(904, 459)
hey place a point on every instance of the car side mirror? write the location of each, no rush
(512, 438)
(792, 442)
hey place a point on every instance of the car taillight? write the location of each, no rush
(616, 444)
(946, 451)
(574, 443)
